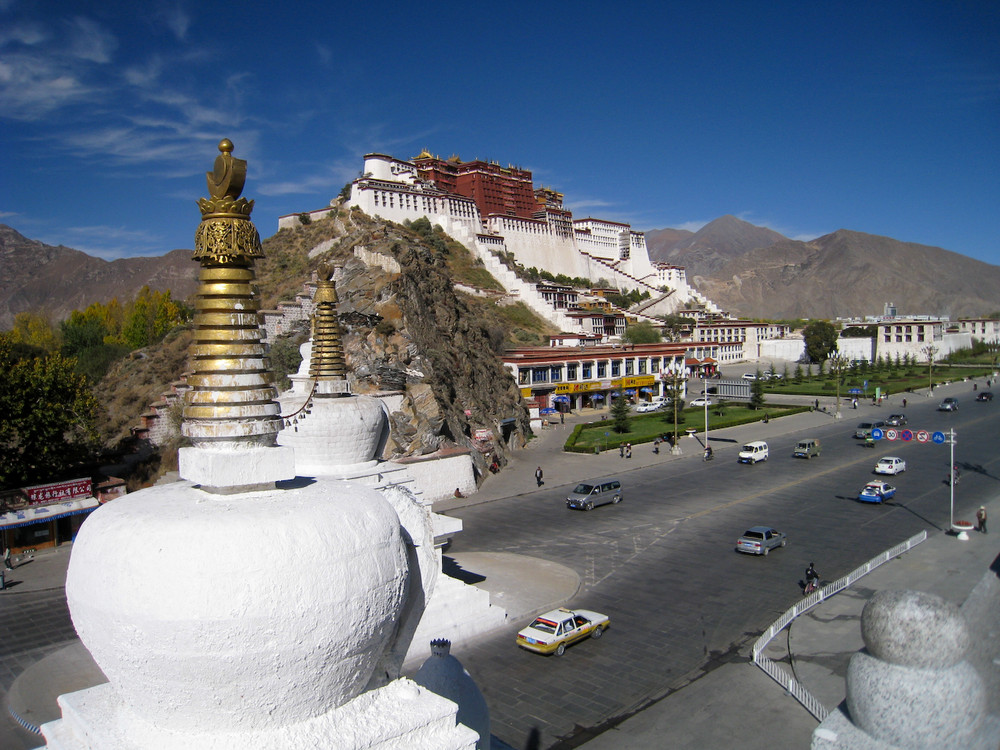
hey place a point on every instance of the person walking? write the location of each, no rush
(538, 476)
(981, 518)
(621, 450)
(6, 559)
(628, 450)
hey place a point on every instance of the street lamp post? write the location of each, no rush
(704, 398)
(951, 474)
(838, 362)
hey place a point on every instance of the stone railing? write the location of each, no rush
(790, 684)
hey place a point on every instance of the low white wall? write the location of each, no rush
(438, 477)
(787, 349)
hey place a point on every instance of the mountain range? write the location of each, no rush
(748, 270)
(758, 273)
(35, 277)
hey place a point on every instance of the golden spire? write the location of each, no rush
(327, 361)
(231, 402)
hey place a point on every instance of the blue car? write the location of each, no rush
(876, 492)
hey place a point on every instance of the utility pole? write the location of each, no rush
(837, 363)
(930, 351)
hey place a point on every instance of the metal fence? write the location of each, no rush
(792, 686)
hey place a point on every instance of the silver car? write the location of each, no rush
(759, 540)
(588, 494)
(949, 404)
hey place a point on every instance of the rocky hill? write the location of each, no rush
(712, 246)
(35, 277)
(409, 331)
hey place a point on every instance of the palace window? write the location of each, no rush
(642, 366)
(630, 367)
(524, 377)
(540, 375)
(555, 373)
(654, 365)
(602, 370)
(570, 372)
(616, 368)
(588, 370)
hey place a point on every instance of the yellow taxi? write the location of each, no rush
(552, 632)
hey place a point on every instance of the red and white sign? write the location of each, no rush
(49, 493)
(923, 436)
(891, 435)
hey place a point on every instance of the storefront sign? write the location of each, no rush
(47, 493)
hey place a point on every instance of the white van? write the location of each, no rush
(753, 452)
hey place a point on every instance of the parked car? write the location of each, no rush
(864, 429)
(753, 452)
(759, 540)
(749, 376)
(587, 495)
(984, 396)
(876, 492)
(552, 632)
(701, 401)
(647, 407)
(896, 420)
(806, 448)
(949, 404)
(890, 465)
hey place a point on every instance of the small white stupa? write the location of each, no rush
(235, 610)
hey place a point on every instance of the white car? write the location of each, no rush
(552, 632)
(749, 376)
(701, 401)
(890, 465)
(643, 408)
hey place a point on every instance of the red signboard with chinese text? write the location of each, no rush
(50, 493)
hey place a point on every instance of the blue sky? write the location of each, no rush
(882, 117)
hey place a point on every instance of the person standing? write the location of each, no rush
(981, 518)
(621, 450)
(6, 559)
(538, 476)
(628, 450)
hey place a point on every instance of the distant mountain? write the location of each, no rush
(850, 273)
(57, 280)
(711, 247)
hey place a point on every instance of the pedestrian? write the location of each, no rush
(628, 450)
(656, 447)
(974, 387)
(621, 450)
(538, 476)
(458, 492)
(562, 417)
(817, 404)
(904, 403)
(981, 518)
(6, 559)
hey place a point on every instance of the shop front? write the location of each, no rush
(45, 515)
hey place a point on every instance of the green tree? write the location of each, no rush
(642, 332)
(35, 331)
(821, 340)
(620, 414)
(48, 417)
(757, 392)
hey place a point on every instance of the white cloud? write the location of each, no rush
(176, 19)
(90, 41)
(324, 53)
(110, 243)
(28, 34)
(329, 180)
(31, 87)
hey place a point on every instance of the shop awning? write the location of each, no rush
(598, 396)
(46, 513)
(561, 399)
(645, 390)
(630, 391)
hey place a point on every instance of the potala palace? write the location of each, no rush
(495, 210)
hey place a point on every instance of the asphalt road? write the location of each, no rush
(662, 562)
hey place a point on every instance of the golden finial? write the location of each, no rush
(327, 361)
(231, 400)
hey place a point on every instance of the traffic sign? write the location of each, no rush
(938, 437)
(877, 434)
(906, 435)
(923, 436)
(890, 435)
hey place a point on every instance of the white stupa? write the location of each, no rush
(234, 609)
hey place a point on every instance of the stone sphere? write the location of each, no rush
(915, 629)
(913, 707)
(219, 613)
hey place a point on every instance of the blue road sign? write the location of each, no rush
(877, 434)
(907, 435)
(939, 437)
(854, 391)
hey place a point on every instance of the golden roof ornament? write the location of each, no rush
(327, 361)
(232, 402)
(226, 232)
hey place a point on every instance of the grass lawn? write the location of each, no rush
(905, 379)
(644, 428)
